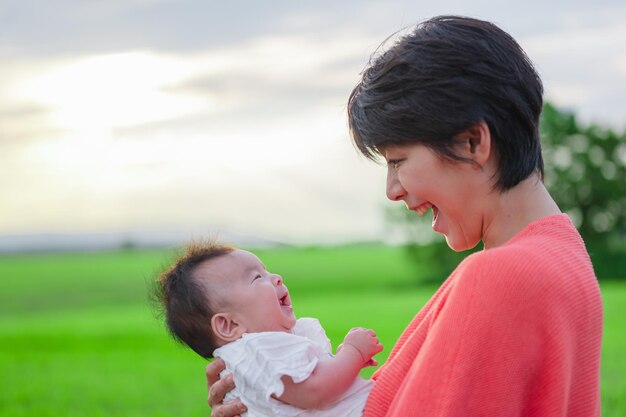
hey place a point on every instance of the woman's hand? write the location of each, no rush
(217, 390)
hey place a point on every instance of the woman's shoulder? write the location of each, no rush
(506, 261)
(536, 265)
(550, 245)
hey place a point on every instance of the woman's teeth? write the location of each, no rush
(421, 210)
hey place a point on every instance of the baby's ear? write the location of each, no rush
(226, 327)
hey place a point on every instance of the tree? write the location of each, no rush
(586, 174)
(585, 171)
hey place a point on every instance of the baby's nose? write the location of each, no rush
(278, 280)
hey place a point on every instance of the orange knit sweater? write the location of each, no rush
(514, 331)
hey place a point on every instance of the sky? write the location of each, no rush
(207, 116)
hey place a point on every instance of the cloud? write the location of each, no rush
(67, 27)
(285, 75)
(137, 113)
(43, 28)
(20, 125)
(260, 84)
(581, 69)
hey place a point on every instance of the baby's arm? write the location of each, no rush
(331, 378)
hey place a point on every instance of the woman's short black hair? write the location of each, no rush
(448, 74)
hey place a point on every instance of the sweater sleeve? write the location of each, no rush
(495, 342)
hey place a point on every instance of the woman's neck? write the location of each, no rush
(511, 211)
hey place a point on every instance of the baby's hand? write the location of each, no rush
(365, 342)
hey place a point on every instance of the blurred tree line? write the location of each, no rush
(585, 171)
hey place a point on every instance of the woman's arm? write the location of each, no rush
(330, 379)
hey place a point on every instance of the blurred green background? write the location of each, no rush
(140, 115)
(78, 337)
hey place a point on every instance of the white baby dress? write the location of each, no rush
(259, 360)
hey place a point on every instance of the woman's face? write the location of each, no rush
(423, 180)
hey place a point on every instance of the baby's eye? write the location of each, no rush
(259, 276)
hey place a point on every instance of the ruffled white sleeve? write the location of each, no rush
(312, 329)
(259, 360)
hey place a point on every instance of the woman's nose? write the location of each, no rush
(395, 191)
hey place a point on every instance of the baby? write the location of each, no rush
(222, 302)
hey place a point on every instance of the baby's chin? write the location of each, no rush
(286, 326)
(292, 324)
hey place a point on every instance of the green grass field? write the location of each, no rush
(78, 337)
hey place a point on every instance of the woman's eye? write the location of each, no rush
(393, 163)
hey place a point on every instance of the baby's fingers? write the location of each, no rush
(371, 362)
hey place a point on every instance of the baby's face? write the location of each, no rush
(256, 297)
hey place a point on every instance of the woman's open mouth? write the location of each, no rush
(422, 208)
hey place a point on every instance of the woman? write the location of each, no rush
(516, 329)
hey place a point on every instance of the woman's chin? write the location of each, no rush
(454, 247)
(459, 245)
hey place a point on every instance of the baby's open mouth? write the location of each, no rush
(285, 301)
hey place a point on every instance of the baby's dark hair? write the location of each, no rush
(182, 297)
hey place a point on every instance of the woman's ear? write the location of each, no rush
(226, 327)
(475, 143)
